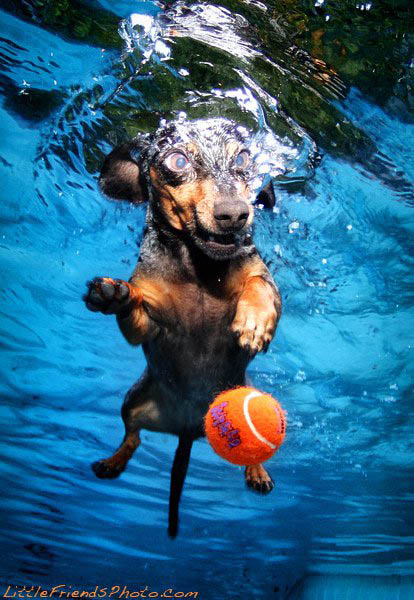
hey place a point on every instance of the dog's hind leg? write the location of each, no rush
(138, 411)
(258, 479)
(112, 467)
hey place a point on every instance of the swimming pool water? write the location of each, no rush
(340, 246)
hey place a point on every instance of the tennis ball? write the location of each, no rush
(245, 426)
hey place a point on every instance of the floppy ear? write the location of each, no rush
(120, 176)
(266, 196)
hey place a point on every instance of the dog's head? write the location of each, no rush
(196, 176)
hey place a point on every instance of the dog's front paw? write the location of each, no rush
(109, 296)
(258, 479)
(254, 328)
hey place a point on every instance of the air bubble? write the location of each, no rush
(300, 376)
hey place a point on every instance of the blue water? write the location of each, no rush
(341, 249)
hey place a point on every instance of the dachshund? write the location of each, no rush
(200, 301)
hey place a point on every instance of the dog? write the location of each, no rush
(200, 301)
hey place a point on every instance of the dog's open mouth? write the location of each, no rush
(219, 246)
(224, 240)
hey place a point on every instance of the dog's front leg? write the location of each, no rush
(117, 297)
(257, 314)
(125, 300)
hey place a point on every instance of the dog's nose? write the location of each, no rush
(230, 215)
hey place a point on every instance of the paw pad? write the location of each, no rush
(109, 296)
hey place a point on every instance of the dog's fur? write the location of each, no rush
(200, 301)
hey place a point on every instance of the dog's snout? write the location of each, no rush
(231, 216)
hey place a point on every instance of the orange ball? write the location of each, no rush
(245, 426)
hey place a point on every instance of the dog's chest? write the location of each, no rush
(189, 309)
(195, 348)
(197, 309)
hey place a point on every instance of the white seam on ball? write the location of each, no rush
(259, 436)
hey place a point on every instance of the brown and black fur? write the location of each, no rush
(200, 300)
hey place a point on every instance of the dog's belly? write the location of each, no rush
(196, 364)
(189, 368)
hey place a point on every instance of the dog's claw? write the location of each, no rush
(262, 488)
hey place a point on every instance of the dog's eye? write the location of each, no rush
(176, 162)
(242, 160)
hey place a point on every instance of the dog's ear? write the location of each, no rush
(266, 196)
(120, 176)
